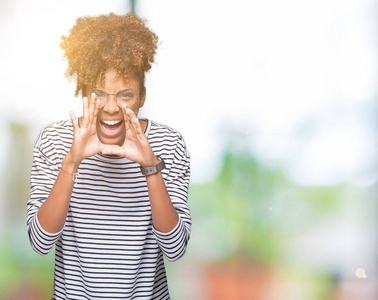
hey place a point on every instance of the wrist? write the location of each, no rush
(147, 171)
(70, 165)
(151, 162)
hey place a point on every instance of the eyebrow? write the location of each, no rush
(120, 91)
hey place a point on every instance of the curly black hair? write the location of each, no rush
(95, 44)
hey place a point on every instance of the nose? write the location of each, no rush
(111, 106)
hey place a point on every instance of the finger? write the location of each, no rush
(135, 124)
(126, 118)
(130, 115)
(95, 114)
(74, 120)
(112, 150)
(85, 112)
(91, 105)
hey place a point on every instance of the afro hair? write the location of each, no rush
(95, 44)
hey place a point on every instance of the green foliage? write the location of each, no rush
(238, 208)
(22, 270)
(246, 211)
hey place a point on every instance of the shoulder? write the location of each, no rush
(164, 131)
(166, 138)
(60, 132)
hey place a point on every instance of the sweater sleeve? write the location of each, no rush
(174, 243)
(44, 172)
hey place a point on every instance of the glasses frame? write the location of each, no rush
(116, 99)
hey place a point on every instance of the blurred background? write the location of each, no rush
(277, 101)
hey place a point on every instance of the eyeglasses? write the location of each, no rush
(121, 97)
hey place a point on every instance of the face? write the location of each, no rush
(110, 125)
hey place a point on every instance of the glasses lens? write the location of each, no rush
(123, 98)
(101, 97)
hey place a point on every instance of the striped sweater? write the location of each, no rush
(108, 248)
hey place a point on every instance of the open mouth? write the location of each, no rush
(111, 128)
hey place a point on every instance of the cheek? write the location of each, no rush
(134, 107)
(98, 118)
(137, 106)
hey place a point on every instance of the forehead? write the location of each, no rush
(113, 81)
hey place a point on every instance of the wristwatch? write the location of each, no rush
(153, 169)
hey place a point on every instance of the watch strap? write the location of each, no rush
(153, 169)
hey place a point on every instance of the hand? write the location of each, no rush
(136, 146)
(85, 142)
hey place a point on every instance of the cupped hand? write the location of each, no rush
(136, 146)
(85, 142)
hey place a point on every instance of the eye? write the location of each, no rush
(124, 96)
(100, 95)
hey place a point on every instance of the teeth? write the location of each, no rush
(111, 122)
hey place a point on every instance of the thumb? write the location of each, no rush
(111, 150)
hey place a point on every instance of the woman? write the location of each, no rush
(109, 190)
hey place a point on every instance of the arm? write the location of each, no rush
(46, 182)
(176, 178)
(168, 196)
(52, 214)
(43, 175)
(164, 215)
(137, 148)
(50, 194)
